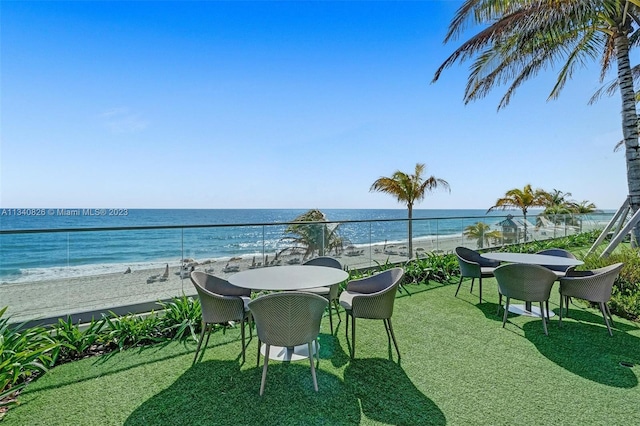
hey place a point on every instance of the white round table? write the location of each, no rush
(296, 277)
(531, 259)
(287, 278)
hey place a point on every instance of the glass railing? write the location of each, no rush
(56, 272)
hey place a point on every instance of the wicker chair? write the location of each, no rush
(473, 265)
(221, 302)
(559, 270)
(594, 286)
(329, 293)
(372, 298)
(530, 283)
(288, 319)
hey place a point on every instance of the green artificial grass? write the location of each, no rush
(458, 366)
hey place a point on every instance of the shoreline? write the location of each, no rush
(62, 296)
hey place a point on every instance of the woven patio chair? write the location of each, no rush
(221, 302)
(330, 293)
(594, 286)
(530, 283)
(473, 265)
(288, 319)
(372, 298)
(559, 270)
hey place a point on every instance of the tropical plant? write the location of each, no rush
(73, 342)
(24, 353)
(517, 39)
(481, 232)
(133, 330)
(182, 318)
(314, 234)
(522, 199)
(409, 189)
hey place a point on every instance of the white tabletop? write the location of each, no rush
(296, 277)
(533, 259)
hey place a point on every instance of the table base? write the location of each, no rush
(296, 353)
(530, 311)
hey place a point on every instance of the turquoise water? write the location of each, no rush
(45, 255)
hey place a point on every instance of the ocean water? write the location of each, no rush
(85, 248)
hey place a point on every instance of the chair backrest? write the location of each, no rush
(329, 262)
(324, 261)
(594, 285)
(559, 253)
(377, 294)
(288, 318)
(217, 285)
(531, 283)
(473, 256)
(219, 300)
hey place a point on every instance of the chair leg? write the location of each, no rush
(393, 336)
(242, 336)
(353, 337)
(560, 315)
(264, 370)
(330, 319)
(546, 305)
(337, 306)
(606, 320)
(458, 289)
(204, 328)
(480, 288)
(499, 303)
(346, 329)
(472, 281)
(313, 368)
(258, 358)
(544, 320)
(506, 312)
(609, 312)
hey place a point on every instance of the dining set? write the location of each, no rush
(529, 277)
(288, 304)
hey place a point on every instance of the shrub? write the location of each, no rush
(133, 330)
(182, 319)
(24, 353)
(625, 298)
(74, 343)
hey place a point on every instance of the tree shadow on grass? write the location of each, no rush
(588, 351)
(387, 395)
(218, 392)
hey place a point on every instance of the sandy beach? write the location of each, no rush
(60, 297)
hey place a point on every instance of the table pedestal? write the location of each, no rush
(296, 353)
(528, 310)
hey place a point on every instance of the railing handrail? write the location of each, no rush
(230, 225)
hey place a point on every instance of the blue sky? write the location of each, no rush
(275, 105)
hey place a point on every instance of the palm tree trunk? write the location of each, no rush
(410, 208)
(629, 123)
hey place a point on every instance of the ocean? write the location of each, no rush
(35, 256)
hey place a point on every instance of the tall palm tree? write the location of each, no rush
(481, 232)
(409, 189)
(519, 38)
(319, 236)
(558, 206)
(521, 199)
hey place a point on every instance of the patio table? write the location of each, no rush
(531, 259)
(296, 277)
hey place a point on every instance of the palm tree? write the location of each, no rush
(519, 38)
(409, 189)
(521, 199)
(481, 232)
(557, 206)
(313, 237)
